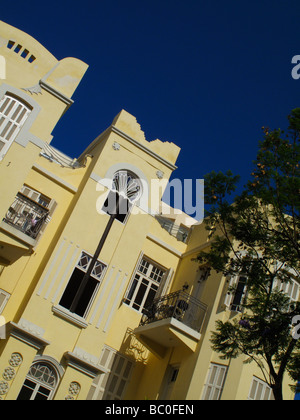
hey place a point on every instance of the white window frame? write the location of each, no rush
(127, 187)
(231, 292)
(291, 288)
(112, 385)
(142, 276)
(39, 383)
(13, 115)
(260, 388)
(94, 274)
(215, 381)
(4, 296)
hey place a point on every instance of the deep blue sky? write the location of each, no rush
(206, 75)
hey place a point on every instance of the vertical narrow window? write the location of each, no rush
(236, 294)
(13, 115)
(215, 382)
(75, 281)
(145, 285)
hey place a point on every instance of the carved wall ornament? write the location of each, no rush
(116, 146)
(15, 360)
(9, 373)
(4, 387)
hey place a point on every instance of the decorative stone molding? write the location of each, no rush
(28, 333)
(74, 391)
(159, 174)
(9, 373)
(84, 362)
(116, 146)
(15, 360)
(4, 387)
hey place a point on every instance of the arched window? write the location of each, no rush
(40, 383)
(13, 114)
(125, 191)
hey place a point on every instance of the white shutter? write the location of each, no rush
(4, 296)
(13, 115)
(229, 295)
(215, 382)
(52, 206)
(165, 283)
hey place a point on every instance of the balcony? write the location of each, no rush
(179, 232)
(20, 228)
(172, 320)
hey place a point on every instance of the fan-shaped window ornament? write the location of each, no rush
(126, 190)
(127, 184)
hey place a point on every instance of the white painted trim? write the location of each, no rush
(47, 275)
(62, 261)
(54, 178)
(108, 298)
(56, 93)
(99, 300)
(164, 245)
(71, 264)
(143, 147)
(115, 304)
(69, 316)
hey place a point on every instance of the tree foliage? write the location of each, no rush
(258, 234)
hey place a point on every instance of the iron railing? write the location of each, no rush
(179, 305)
(26, 215)
(179, 232)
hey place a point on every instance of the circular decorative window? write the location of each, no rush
(127, 184)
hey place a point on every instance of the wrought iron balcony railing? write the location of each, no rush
(26, 215)
(179, 305)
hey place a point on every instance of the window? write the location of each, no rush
(126, 190)
(260, 390)
(4, 296)
(13, 115)
(40, 383)
(75, 281)
(290, 288)
(111, 385)
(30, 212)
(145, 285)
(236, 294)
(215, 382)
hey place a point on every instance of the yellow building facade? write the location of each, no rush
(131, 321)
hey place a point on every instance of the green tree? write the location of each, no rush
(257, 233)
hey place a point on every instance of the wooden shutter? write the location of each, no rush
(52, 206)
(229, 295)
(165, 283)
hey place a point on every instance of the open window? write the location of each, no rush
(236, 295)
(146, 284)
(86, 299)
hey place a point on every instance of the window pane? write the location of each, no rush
(140, 296)
(87, 296)
(71, 289)
(42, 394)
(150, 297)
(26, 391)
